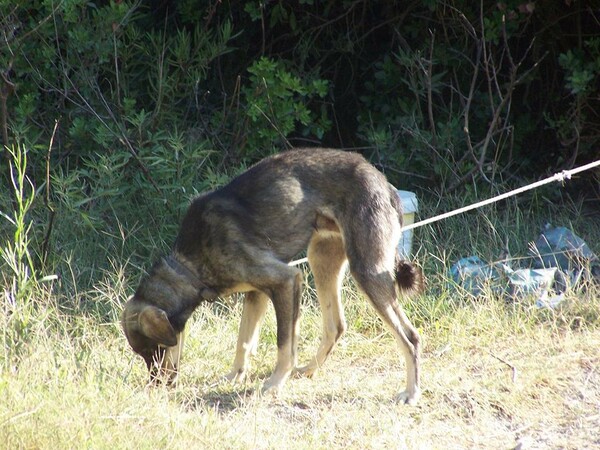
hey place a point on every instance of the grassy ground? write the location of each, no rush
(494, 376)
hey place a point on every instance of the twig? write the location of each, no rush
(6, 90)
(513, 368)
(51, 211)
(505, 97)
(480, 44)
(429, 92)
(19, 416)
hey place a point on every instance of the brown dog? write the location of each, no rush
(241, 237)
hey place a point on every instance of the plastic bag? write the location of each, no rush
(560, 247)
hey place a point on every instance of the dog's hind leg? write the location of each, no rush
(411, 353)
(327, 260)
(381, 290)
(255, 306)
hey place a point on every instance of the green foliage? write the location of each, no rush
(577, 125)
(22, 288)
(15, 251)
(504, 21)
(127, 98)
(276, 103)
(406, 91)
(97, 68)
(398, 127)
(156, 104)
(582, 68)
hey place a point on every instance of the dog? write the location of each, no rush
(241, 237)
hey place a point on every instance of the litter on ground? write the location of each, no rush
(558, 260)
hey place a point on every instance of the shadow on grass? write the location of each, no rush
(223, 397)
(225, 400)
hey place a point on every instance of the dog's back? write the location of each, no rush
(278, 204)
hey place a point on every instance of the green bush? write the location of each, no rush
(276, 104)
(155, 104)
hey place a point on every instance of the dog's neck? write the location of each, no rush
(205, 292)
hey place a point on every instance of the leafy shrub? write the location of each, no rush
(158, 101)
(276, 103)
(577, 127)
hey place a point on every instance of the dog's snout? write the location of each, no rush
(162, 367)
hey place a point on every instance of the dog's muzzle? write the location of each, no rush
(163, 367)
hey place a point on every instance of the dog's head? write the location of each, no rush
(155, 316)
(152, 336)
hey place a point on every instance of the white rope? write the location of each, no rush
(561, 177)
(298, 262)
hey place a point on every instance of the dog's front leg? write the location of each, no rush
(286, 300)
(255, 306)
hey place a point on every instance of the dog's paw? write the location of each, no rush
(271, 391)
(410, 398)
(236, 376)
(274, 385)
(306, 371)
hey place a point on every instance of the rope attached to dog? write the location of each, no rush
(560, 177)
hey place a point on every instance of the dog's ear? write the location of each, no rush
(154, 323)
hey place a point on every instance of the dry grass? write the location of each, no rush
(494, 376)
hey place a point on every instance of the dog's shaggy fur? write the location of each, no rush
(241, 237)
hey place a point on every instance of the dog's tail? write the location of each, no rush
(408, 276)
